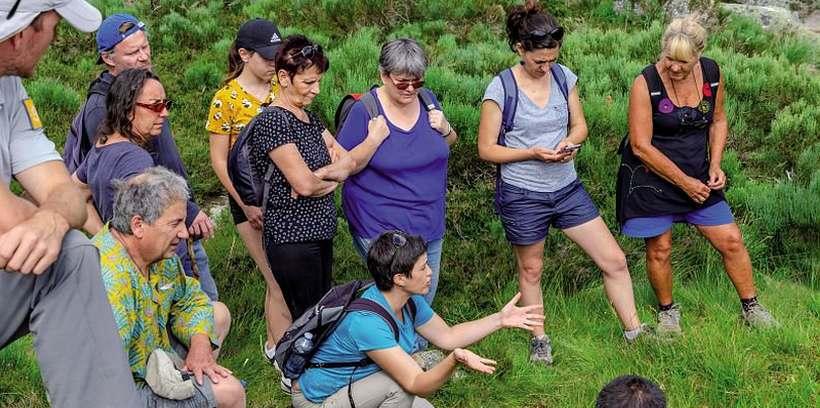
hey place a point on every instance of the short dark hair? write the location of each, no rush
(393, 253)
(297, 54)
(630, 391)
(120, 103)
(524, 19)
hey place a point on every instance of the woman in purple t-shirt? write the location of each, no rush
(400, 180)
(137, 110)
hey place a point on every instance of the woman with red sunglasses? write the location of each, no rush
(136, 109)
(401, 154)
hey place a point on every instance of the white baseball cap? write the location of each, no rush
(79, 13)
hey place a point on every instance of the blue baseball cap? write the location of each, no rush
(116, 28)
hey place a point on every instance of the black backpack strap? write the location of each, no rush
(654, 85)
(367, 305)
(428, 100)
(711, 73)
(411, 308)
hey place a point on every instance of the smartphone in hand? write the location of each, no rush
(570, 148)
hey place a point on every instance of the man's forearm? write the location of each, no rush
(69, 202)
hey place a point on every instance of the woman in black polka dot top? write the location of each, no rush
(308, 165)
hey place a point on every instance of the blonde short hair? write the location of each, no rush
(684, 39)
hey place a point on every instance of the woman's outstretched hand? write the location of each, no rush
(474, 361)
(523, 317)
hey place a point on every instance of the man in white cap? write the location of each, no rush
(50, 283)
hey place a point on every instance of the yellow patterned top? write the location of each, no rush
(232, 108)
(145, 307)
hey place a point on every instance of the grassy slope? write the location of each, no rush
(774, 108)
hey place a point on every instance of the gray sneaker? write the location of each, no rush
(541, 350)
(758, 317)
(669, 321)
(646, 332)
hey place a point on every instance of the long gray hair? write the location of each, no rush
(403, 56)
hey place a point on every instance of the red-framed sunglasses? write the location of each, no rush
(158, 106)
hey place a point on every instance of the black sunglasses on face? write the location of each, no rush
(13, 10)
(539, 36)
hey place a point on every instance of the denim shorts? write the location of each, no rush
(527, 215)
(648, 227)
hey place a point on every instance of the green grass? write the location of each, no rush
(773, 106)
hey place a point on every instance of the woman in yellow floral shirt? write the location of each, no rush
(248, 87)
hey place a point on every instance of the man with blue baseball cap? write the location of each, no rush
(122, 43)
(50, 281)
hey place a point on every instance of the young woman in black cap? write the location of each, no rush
(249, 85)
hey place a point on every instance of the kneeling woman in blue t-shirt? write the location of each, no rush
(398, 263)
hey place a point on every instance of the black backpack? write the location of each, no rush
(321, 320)
(252, 190)
(428, 101)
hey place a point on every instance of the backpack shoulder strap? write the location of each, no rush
(428, 100)
(411, 307)
(367, 305)
(561, 79)
(370, 104)
(510, 103)
(654, 84)
(711, 72)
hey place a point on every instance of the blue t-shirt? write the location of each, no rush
(117, 161)
(403, 186)
(357, 333)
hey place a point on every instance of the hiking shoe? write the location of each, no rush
(541, 350)
(669, 321)
(646, 332)
(427, 359)
(758, 317)
(285, 384)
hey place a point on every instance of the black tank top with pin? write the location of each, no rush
(682, 135)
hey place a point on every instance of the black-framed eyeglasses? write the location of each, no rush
(158, 106)
(13, 10)
(540, 36)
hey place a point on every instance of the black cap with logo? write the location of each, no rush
(259, 35)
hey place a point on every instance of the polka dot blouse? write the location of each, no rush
(288, 219)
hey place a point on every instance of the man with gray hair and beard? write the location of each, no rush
(157, 307)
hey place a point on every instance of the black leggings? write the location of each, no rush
(303, 270)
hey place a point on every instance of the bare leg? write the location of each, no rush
(277, 316)
(659, 266)
(222, 324)
(530, 263)
(597, 241)
(729, 242)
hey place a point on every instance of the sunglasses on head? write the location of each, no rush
(404, 84)
(308, 50)
(540, 36)
(158, 106)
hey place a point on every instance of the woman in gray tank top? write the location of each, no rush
(532, 125)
